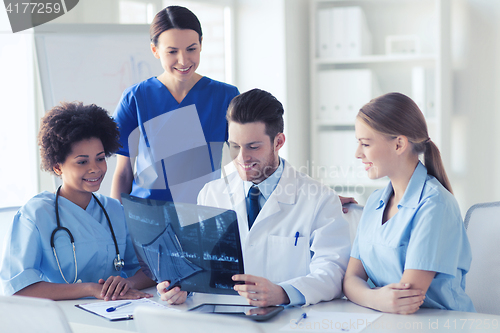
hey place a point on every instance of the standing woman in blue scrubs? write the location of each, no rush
(173, 125)
(39, 259)
(411, 240)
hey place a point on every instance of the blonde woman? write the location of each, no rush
(411, 241)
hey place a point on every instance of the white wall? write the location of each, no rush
(18, 167)
(260, 54)
(496, 119)
(92, 11)
(260, 46)
(476, 101)
(272, 39)
(297, 124)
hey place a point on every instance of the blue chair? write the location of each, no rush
(6, 216)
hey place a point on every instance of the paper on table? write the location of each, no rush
(318, 321)
(121, 313)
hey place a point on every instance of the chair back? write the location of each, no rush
(482, 222)
(353, 216)
(154, 320)
(20, 314)
(6, 217)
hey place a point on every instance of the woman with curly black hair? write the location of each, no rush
(73, 243)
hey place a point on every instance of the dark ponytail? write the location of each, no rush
(396, 114)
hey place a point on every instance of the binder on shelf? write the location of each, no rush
(329, 93)
(423, 90)
(339, 24)
(325, 45)
(326, 156)
(343, 32)
(358, 37)
(402, 44)
(341, 93)
(337, 164)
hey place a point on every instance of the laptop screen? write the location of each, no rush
(195, 247)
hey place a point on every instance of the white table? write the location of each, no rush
(424, 320)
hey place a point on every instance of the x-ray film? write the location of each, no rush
(195, 247)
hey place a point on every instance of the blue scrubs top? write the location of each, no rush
(28, 257)
(175, 148)
(427, 233)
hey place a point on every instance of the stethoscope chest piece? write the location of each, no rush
(119, 263)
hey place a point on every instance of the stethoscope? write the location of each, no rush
(118, 262)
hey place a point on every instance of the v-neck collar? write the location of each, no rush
(194, 88)
(89, 209)
(411, 195)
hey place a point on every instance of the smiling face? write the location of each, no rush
(83, 170)
(179, 53)
(376, 151)
(252, 151)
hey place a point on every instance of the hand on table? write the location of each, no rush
(260, 291)
(399, 298)
(117, 287)
(173, 296)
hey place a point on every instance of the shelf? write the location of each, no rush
(341, 85)
(347, 125)
(378, 59)
(379, 183)
(327, 3)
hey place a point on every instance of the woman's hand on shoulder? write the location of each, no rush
(117, 287)
(172, 296)
(346, 200)
(398, 298)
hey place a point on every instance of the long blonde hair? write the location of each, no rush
(396, 114)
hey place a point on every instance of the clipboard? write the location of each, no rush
(122, 313)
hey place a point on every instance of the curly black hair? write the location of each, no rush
(68, 123)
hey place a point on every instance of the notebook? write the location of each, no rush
(192, 246)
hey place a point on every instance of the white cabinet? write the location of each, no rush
(361, 49)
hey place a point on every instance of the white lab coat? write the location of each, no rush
(316, 264)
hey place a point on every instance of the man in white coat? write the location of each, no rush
(295, 242)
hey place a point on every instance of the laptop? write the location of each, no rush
(195, 247)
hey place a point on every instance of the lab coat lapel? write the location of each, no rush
(284, 193)
(237, 194)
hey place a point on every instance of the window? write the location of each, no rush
(18, 170)
(136, 12)
(215, 18)
(18, 129)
